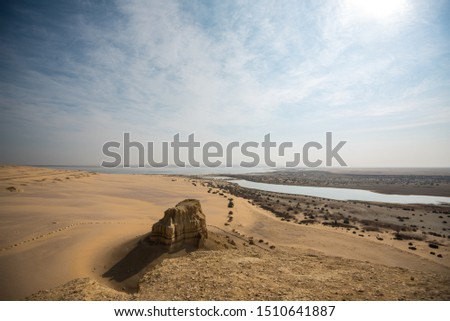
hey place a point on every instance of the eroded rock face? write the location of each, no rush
(184, 224)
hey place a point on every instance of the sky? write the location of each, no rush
(77, 74)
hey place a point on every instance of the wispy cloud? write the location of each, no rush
(84, 73)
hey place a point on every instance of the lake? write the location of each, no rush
(344, 194)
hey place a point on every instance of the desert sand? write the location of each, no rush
(63, 230)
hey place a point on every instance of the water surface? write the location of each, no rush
(344, 194)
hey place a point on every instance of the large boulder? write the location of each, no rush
(182, 225)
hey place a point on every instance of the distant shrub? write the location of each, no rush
(408, 236)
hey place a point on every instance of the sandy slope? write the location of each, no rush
(249, 273)
(332, 242)
(61, 225)
(59, 229)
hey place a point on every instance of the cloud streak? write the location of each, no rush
(79, 74)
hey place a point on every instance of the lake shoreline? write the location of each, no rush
(344, 194)
(383, 182)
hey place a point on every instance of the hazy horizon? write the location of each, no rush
(77, 74)
(237, 166)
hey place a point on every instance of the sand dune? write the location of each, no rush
(64, 225)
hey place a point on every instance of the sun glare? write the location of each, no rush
(377, 9)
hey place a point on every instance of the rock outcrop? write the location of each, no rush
(182, 225)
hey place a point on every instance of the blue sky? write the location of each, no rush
(76, 74)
